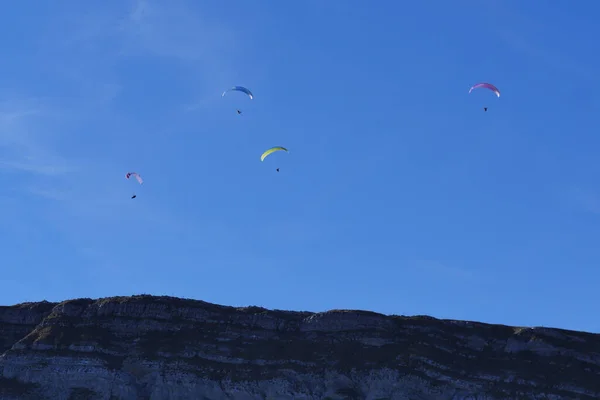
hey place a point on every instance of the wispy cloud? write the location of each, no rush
(37, 166)
(47, 193)
(92, 214)
(180, 31)
(200, 103)
(529, 36)
(439, 269)
(547, 56)
(586, 199)
(97, 195)
(82, 54)
(25, 129)
(177, 31)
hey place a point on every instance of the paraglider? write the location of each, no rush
(239, 89)
(137, 177)
(272, 150)
(486, 86)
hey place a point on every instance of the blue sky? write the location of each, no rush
(399, 194)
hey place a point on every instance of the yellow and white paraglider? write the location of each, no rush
(271, 151)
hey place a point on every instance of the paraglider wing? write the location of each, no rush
(272, 150)
(487, 86)
(136, 175)
(240, 89)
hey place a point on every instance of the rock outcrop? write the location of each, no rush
(146, 347)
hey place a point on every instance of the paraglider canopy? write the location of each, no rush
(272, 150)
(239, 89)
(486, 86)
(135, 175)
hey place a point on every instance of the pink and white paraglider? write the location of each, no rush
(486, 86)
(137, 177)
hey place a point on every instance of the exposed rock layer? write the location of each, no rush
(146, 347)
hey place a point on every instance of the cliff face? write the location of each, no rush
(145, 347)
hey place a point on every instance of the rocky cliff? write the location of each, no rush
(146, 347)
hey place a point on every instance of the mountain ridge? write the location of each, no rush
(162, 347)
